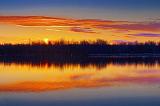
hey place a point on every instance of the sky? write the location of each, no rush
(112, 20)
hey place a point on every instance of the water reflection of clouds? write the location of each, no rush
(28, 78)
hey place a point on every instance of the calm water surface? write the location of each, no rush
(135, 84)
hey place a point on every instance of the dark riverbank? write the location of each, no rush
(82, 50)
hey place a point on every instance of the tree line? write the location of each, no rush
(83, 49)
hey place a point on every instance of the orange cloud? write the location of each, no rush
(36, 21)
(50, 21)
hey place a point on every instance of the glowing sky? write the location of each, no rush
(112, 20)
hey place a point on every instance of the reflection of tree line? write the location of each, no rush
(99, 63)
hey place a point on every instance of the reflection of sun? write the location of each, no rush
(46, 40)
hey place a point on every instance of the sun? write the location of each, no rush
(46, 40)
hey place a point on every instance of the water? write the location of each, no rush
(121, 83)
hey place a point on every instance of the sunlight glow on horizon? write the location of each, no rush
(46, 40)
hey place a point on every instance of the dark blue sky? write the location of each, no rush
(106, 9)
(130, 4)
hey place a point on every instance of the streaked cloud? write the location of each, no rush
(80, 25)
(80, 29)
(154, 26)
(51, 21)
(119, 41)
(146, 34)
